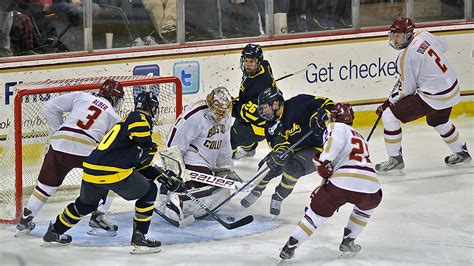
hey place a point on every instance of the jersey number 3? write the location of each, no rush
(437, 59)
(90, 118)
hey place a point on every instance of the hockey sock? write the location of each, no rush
(143, 215)
(286, 185)
(144, 209)
(264, 182)
(358, 220)
(307, 226)
(450, 135)
(392, 133)
(39, 197)
(67, 219)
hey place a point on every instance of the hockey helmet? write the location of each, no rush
(269, 102)
(401, 33)
(342, 112)
(251, 51)
(147, 101)
(113, 92)
(219, 102)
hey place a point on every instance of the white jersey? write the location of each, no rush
(89, 119)
(348, 152)
(424, 69)
(201, 141)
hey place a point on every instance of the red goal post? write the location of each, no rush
(26, 142)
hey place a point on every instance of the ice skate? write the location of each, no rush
(394, 165)
(101, 225)
(251, 198)
(275, 205)
(26, 225)
(142, 245)
(461, 157)
(288, 251)
(348, 247)
(53, 238)
(241, 153)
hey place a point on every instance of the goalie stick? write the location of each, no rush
(186, 221)
(214, 180)
(283, 155)
(246, 220)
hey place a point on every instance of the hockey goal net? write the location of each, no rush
(26, 142)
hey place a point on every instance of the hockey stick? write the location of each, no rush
(380, 116)
(373, 127)
(246, 220)
(292, 74)
(214, 180)
(283, 155)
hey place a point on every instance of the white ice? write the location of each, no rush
(425, 218)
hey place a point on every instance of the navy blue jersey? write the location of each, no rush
(295, 122)
(116, 156)
(246, 108)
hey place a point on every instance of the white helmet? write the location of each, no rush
(219, 102)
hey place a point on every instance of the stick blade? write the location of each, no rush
(244, 221)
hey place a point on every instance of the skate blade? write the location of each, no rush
(20, 233)
(465, 164)
(144, 250)
(274, 217)
(394, 172)
(53, 244)
(101, 232)
(347, 254)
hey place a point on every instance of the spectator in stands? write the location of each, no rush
(301, 15)
(343, 13)
(16, 32)
(240, 18)
(324, 13)
(163, 15)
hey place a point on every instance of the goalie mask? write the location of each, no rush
(252, 56)
(113, 92)
(269, 102)
(401, 33)
(342, 112)
(148, 101)
(219, 102)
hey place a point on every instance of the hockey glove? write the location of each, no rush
(275, 161)
(319, 121)
(171, 181)
(325, 168)
(145, 157)
(382, 107)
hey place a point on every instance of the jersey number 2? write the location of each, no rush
(437, 59)
(360, 151)
(90, 118)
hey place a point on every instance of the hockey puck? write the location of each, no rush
(231, 219)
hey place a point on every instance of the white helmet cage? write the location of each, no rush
(219, 102)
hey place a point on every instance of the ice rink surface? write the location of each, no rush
(426, 218)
